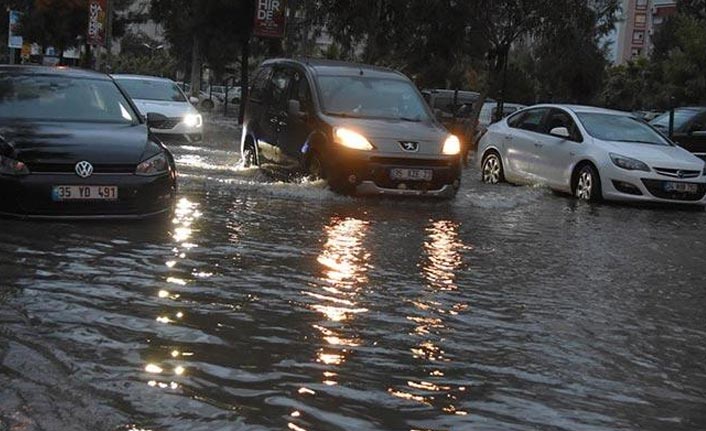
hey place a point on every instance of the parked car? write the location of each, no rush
(489, 115)
(365, 129)
(689, 128)
(73, 145)
(453, 108)
(592, 153)
(183, 123)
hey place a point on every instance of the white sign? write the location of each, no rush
(15, 39)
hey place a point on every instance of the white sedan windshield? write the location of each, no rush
(620, 128)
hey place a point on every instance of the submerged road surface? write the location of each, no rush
(281, 306)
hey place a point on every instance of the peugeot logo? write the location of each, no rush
(410, 146)
(84, 169)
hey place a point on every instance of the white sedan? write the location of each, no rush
(591, 153)
(181, 124)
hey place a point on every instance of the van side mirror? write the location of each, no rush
(294, 110)
(560, 132)
(154, 119)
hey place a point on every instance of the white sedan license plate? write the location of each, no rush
(411, 174)
(85, 193)
(681, 188)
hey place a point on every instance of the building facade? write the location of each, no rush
(640, 20)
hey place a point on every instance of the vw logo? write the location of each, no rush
(410, 146)
(84, 169)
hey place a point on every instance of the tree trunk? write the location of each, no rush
(196, 64)
(489, 88)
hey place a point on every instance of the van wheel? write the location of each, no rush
(315, 168)
(249, 155)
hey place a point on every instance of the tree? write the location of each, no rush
(57, 23)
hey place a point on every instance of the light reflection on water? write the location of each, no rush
(442, 260)
(185, 216)
(380, 317)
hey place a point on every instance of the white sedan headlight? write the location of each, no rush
(351, 139)
(628, 163)
(452, 146)
(193, 120)
(153, 166)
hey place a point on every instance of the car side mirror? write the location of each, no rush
(194, 100)
(154, 119)
(560, 132)
(294, 110)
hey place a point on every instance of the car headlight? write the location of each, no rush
(628, 163)
(10, 166)
(452, 146)
(351, 139)
(193, 120)
(153, 166)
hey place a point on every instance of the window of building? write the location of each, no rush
(641, 4)
(640, 20)
(636, 52)
(638, 36)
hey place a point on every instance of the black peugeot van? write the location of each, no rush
(365, 129)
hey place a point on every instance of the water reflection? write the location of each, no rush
(442, 261)
(344, 266)
(171, 362)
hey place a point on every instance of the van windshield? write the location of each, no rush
(376, 98)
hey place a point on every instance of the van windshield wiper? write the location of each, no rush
(343, 114)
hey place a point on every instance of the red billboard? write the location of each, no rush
(97, 21)
(270, 19)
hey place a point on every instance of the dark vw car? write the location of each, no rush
(73, 145)
(365, 129)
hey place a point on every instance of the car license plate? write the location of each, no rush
(681, 188)
(84, 193)
(411, 174)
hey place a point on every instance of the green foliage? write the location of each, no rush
(159, 63)
(674, 75)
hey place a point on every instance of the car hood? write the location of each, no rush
(387, 134)
(68, 143)
(168, 109)
(658, 156)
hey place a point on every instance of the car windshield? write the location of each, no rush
(147, 89)
(681, 117)
(620, 128)
(60, 98)
(365, 97)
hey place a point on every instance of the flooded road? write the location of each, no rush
(281, 306)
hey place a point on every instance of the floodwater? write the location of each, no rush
(281, 306)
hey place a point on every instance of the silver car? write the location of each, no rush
(592, 153)
(182, 123)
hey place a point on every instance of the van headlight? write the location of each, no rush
(351, 139)
(193, 120)
(153, 166)
(628, 163)
(452, 146)
(10, 166)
